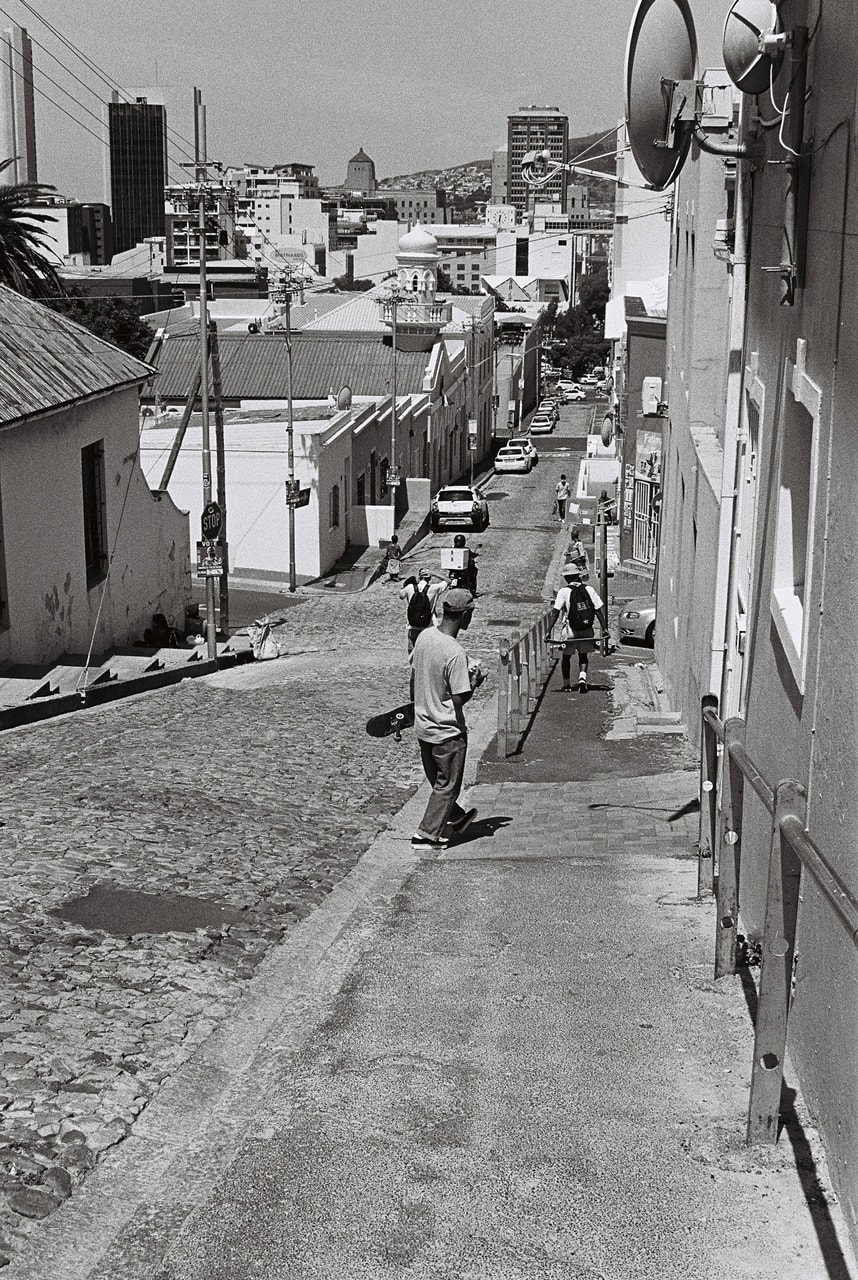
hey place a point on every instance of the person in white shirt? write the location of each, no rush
(562, 494)
(579, 605)
(443, 681)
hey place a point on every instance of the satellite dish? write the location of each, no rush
(344, 399)
(607, 432)
(751, 68)
(662, 46)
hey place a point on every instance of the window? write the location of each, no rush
(4, 601)
(361, 490)
(791, 577)
(334, 507)
(94, 512)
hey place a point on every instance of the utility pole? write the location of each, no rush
(201, 174)
(292, 489)
(220, 449)
(472, 443)
(392, 471)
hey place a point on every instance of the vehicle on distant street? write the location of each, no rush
(513, 457)
(601, 388)
(458, 504)
(588, 379)
(527, 445)
(575, 393)
(637, 620)
(541, 424)
(549, 407)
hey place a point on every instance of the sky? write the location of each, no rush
(418, 87)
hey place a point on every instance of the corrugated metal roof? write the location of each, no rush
(253, 366)
(47, 361)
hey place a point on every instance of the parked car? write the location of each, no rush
(458, 504)
(513, 457)
(528, 446)
(541, 424)
(601, 388)
(588, 379)
(575, 393)
(637, 620)
(549, 407)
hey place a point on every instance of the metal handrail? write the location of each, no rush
(523, 662)
(791, 851)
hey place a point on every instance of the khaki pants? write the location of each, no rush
(444, 766)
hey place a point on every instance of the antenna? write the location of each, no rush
(666, 104)
(753, 45)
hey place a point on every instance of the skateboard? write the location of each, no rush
(391, 722)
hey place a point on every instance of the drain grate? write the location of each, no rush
(127, 911)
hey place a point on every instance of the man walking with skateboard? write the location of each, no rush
(443, 683)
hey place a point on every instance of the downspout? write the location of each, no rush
(724, 614)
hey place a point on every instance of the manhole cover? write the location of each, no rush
(126, 911)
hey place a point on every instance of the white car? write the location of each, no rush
(527, 445)
(574, 393)
(512, 457)
(588, 379)
(541, 424)
(549, 407)
(458, 505)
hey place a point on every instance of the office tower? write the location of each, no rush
(536, 129)
(138, 170)
(17, 111)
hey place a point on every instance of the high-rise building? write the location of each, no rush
(17, 112)
(536, 129)
(138, 170)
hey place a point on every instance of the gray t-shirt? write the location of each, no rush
(440, 667)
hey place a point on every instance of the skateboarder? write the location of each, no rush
(443, 683)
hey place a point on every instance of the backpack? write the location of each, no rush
(420, 608)
(581, 611)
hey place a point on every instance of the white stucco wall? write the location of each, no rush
(51, 610)
(257, 467)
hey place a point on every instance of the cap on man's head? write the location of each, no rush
(571, 571)
(458, 601)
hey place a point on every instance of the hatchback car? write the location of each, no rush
(512, 457)
(637, 620)
(575, 393)
(549, 407)
(588, 379)
(458, 505)
(541, 424)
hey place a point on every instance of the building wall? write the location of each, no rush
(138, 170)
(51, 610)
(535, 129)
(17, 109)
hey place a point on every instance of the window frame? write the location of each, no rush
(794, 639)
(94, 500)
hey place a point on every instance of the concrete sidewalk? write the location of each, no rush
(509, 1062)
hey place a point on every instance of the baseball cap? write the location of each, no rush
(458, 601)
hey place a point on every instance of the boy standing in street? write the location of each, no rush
(580, 605)
(562, 494)
(443, 683)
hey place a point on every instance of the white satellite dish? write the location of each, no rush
(344, 399)
(661, 50)
(751, 57)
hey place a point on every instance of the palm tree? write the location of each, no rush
(23, 265)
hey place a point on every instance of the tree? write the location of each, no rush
(113, 319)
(445, 284)
(352, 284)
(593, 293)
(23, 264)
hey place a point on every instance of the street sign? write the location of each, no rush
(296, 496)
(212, 522)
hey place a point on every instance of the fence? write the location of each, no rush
(523, 665)
(791, 850)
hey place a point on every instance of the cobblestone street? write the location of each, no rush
(239, 800)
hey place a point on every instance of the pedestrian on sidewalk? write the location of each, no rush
(578, 605)
(443, 682)
(421, 594)
(576, 553)
(393, 559)
(562, 494)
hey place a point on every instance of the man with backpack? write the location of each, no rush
(421, 594)
(577, 606)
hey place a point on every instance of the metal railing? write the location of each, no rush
(523, 666)
(791, 851)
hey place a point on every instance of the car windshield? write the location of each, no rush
(455, 495)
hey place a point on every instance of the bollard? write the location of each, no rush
(729, 849)
(708, 781)
(503, 699)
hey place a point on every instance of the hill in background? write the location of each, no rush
(475, 176)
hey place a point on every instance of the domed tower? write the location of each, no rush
(417, 264)
(410, 308)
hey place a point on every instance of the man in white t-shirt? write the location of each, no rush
(562, 494)
(579, 605)
(443, 683)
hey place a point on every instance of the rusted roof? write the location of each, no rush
(47, 361)
(253, 366)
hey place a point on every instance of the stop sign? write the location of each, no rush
(212, 520)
